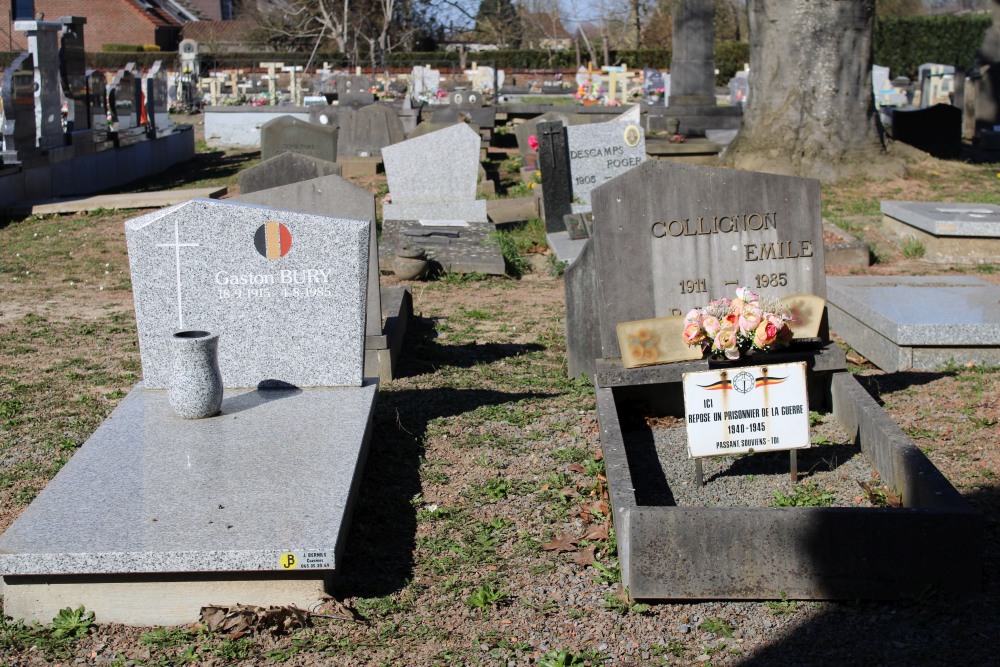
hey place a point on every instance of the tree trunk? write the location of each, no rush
(811, 110)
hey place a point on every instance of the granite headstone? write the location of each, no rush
(367, 131)
(73, 71)
(283, 169)
(157, 104)
(43, 45)
(553, 159)
(287, 133)
(122, 101)
(97, 104)
(285, 290)
(669, 237)
(601, 151)
(355, 91)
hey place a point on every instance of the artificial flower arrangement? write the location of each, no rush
(733, 328)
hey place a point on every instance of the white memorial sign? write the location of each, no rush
(746, 409)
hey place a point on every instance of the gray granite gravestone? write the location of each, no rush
(328, 116)
(124, 106)
(177, 509)
(18, 107)
(433, 177)
(285, 293)
(73, 71)
(43, 45)
(691, 233)
(432, 181)
(334, 197)
(600, 151)
(917, 322)
(287, 133)
(283, 169)
(949, 232)
(367, 131)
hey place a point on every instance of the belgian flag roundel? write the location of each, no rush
(273, 240)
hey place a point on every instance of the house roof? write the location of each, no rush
(218, 31)
(156, 13)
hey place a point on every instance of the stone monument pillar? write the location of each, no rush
(73, 71)
(692, 70)
(43, 45)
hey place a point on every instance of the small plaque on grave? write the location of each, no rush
(807, 314)
(746, 409)
(655, 341)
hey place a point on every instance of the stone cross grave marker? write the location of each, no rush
(287, 133)
(600, 151)
(285, 290)
(669, 237)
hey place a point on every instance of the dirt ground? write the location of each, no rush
(482, 533)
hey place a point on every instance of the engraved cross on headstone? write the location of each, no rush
(177, 245)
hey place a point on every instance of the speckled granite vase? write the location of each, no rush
(195, 381)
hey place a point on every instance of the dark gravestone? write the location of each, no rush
(668, 237)
(17, 94)
(43, 45)
(283, 169)
(289, 134)
(692, 67)
(466, 99)
(73, 71)
(484, 117)
(553, 158)
(936, 129)
(156, 101)
(124, 107)
(327, 116)
(97, 104)
(365, 132)
(355, 91)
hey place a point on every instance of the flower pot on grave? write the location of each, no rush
(195, 380)
(410, 262)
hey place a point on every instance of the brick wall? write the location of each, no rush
(108, 22)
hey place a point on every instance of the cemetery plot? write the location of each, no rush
(945, 232)
(914, 322)
(668, 239)
(178, 506)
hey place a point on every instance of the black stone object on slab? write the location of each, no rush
(553, 159)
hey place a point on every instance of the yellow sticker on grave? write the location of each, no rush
(288, 561)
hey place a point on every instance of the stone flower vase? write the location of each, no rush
(195, 381)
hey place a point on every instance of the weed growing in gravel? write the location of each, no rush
(913, 248)
(235, 649)
(607, 574)
(166, 638)
(623, 605)
(807, 494)
(986, 268)
(486, 596)
(784, 607)
(560, 658)
(717, 626)
(571, 455)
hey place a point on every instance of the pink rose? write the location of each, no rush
(711, 325)
(750, 318)
(743, 293)
(533, 143)
(694, 315)
(764, 335)
(693, 334)
(725, 339)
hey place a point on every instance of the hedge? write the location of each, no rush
(903, 44)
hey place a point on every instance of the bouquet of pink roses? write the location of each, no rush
(731, 328)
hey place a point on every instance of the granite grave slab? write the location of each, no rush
(284, 169)
(285, 292)
(600, 151)
(951, 232)
(287, 133)
(917, 322)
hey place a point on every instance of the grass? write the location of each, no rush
(807, 494)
